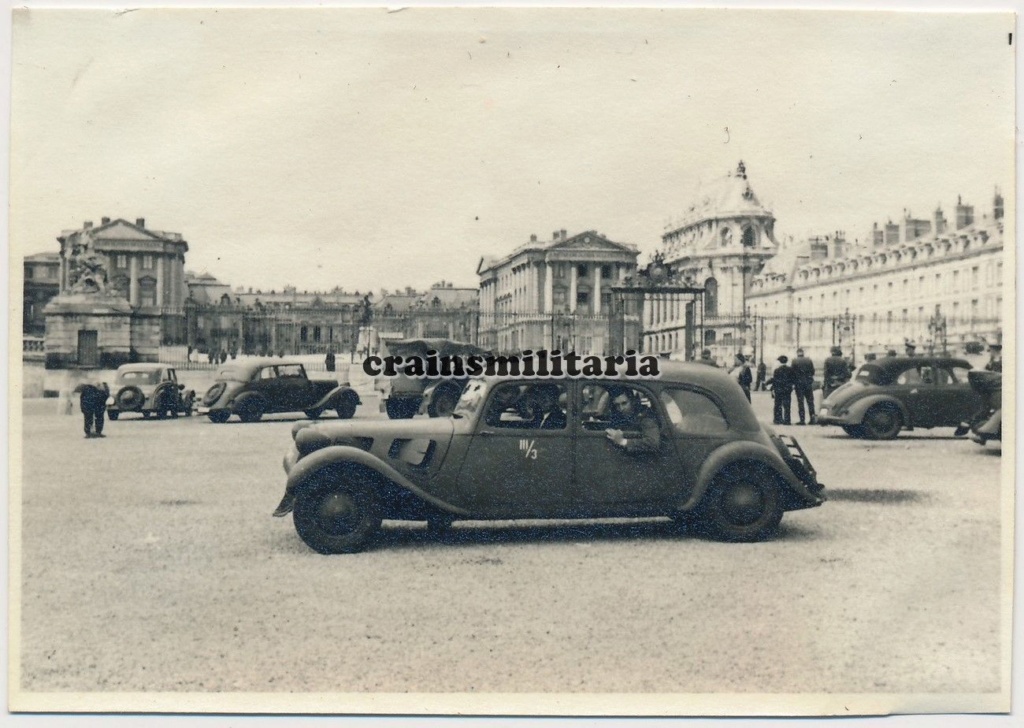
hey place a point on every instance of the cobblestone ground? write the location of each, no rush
(151, 563)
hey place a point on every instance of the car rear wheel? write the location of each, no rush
(399, 409)
(882, 422)
(336, 516)
(346, 408)
(219, 417)
(251, 411)
(112, 415)
(130, 399)
(853, 430)
(742, 504)
(314, 413)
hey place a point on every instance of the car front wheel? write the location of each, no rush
(853, 431)
(882, 422)
(742, 504)
(219, 417)
(336, 516)
(346, 408)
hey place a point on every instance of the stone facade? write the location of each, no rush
(555, 294)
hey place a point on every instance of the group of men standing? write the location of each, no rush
(798, 377)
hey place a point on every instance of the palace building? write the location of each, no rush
(555, 294)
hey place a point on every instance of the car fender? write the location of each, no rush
(245, 397)
(332, 398)
(742, 451)
(857, 409)
(308, 466)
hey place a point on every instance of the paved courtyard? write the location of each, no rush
(150, 562)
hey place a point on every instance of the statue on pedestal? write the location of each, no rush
(87, 268)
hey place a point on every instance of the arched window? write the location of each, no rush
(749, 237)
(710, 297)
(726, 236)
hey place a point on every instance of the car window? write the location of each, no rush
(867, 374)
(693, 413)
(957, 374)
(267, 373)
(141, 377)
(472, 397)
(598, 411)
(289, 370)
(539, 406)
(910, 376)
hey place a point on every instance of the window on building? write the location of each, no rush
(30, 272)
(710, 297)
(303, 333)
(974, 278)
(582, 298)
(559, 270)
(316, 334)
(121, 261)
(956, 280)
(147, 292)
(606, 302)
(581, 270)
(147, 262)
(606, 271)
(749, 237)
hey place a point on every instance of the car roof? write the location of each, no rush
(249, 366)
(144, 367)
(670, 372)
(894, 363)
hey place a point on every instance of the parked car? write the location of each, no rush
(403, 397)
(504, 454)
(986, 423)
(888, 395)
(149, 389)
(251, 389)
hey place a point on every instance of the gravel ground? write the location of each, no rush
(151, 563)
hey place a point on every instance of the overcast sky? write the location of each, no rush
(364, 149)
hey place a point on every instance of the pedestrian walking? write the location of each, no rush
(803, 383)
(743, 374)
(837, 370)
(329, 361)
(93, 403)
(782, 391)
(762, 370)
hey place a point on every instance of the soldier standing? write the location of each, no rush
(995, 360)
(93, 403)
(837, 371)
(762, 370)
(782, 390)
(803, 381)
(705, 358)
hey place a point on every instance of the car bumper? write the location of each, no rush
(829, 417)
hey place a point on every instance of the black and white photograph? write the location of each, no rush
(511, 361)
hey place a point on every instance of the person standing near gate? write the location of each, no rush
(329, 361)
(803, 382)
(762, 370)
(782, 391)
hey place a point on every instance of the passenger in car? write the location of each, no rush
(633, 426)
(544, 404)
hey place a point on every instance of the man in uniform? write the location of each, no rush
(705, 358)
(762, 371)
(803, 381)
(629, 416)
(782, 390)
(836, 372)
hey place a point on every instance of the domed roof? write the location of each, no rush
(729, 196)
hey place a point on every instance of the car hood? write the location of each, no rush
(845, 394)
(370, 434)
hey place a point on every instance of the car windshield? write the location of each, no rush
(144, 377)
(233, 374)
(868, 374)
(472, 397)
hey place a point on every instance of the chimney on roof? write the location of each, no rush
(554, 235)
(104, 220)
(533, 238)
(87, 224)
(140, 221)
(563, 234)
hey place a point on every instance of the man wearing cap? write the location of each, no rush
(836, 372)
(803, 382)
(995, 360)
(782, 391)
(911, 348)
(705, 358)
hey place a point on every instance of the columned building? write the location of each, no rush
(555, 294)
(935, 284)
(719, 243)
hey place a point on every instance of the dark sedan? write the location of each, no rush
(891, 394)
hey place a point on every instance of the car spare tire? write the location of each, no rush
(214, 393)
(130, 399)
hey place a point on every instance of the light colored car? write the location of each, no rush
(149, 389)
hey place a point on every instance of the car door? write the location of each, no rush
(514, 466)
(609, 478)
(957, 401)
(916, 387)
(294, 391)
